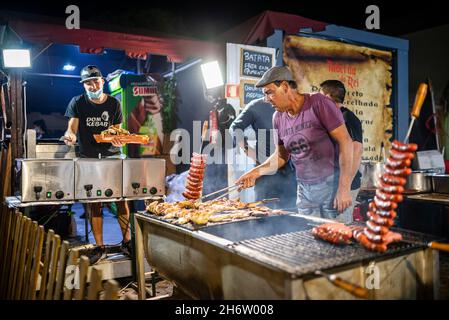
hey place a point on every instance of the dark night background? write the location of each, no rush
(203, 19)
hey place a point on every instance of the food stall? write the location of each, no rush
(243, 250)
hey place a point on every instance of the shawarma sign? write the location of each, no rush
(366, 74)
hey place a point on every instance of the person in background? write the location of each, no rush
(89, 114)
(258, 115)
(307, 128)
(335, 90)
(41, 128)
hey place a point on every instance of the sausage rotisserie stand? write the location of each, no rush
(276, 257)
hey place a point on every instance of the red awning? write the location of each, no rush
(177, 49)
(260, 27)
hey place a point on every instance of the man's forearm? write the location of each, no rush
(356, 159)
(271, 165)
(345, 161)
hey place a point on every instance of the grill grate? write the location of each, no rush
(306, 254)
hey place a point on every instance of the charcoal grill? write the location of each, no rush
(276, 258)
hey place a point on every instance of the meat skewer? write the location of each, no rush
(377, 236)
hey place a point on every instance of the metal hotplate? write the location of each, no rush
(261, 227)
(302, 252)
(211, 225)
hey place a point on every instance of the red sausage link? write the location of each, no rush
(400, 155)
(397, 164)
(390, 189)
(386, 214)
(380, 220)
(398, 172)
(409, 147)
(393, 180)
(364, 241)
(189, 196)
(373, 237)
(378, 229)
(395, 197)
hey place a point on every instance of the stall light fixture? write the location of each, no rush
(212, 74)
(16, 58)
(68, 67)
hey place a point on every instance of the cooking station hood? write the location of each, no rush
(277, 257)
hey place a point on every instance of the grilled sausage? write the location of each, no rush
(390, 188)
(378, 229)
(393, 180)
(404, 147)
(384, 205)
(398, 155)
(364, 241)
(395, 197)
(402, 172)
(379, 220)
(395, 164)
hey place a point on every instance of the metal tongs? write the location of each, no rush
(227, 189)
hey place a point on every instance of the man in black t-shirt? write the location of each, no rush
(335, 90)
(89, 114)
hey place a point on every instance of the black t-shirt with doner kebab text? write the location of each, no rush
(94, 118)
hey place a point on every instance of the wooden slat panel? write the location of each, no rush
(95, 285)
(37, 254)
(68, 291)
(61, 270)
(15, 245)
(29, 260)
(46, 267)
(83, 269)
(22, 252)
(111, 290)
(55, 249)
(5, 266)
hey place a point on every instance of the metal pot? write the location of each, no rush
(418, 181)
(370, 174)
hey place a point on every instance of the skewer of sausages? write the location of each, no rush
(194, 181)
(381, 212)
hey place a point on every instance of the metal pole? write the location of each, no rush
(434, 111)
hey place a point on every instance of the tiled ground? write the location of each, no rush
(111, 229)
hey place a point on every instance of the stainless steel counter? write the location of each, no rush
(441, 198)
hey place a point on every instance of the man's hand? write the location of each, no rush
(248, 180)
(69, 139)
(151, 104)
(342, 200)
(116, 142)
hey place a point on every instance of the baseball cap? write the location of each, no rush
(90, 72)
(275, 74)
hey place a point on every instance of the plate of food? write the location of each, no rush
(124, 136)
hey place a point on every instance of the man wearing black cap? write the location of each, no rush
(89, 114)
(310, 130)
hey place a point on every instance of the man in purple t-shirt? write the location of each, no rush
(312, 132)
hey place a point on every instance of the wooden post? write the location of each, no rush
(139, 256)
(16, 114)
